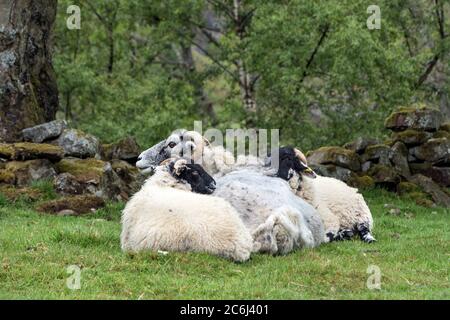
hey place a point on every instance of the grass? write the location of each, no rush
(412, 253)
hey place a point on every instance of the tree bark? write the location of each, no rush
(28, 90)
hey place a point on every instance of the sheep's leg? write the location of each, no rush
(264, 238)
(364, 233)
(343, 234)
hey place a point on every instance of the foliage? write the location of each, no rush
(147, 68)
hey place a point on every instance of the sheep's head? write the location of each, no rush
(193, 174)
(181, 143)
(293, 161)
(151, 158)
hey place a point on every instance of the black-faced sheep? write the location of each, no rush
(343, 210)
(166, 215)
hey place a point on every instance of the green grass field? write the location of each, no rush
(412, 252)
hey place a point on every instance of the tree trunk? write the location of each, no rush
(28, 90)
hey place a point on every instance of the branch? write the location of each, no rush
(439, 10)
(427, 72)
(228, 11)
(316, 49)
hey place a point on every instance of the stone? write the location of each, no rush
(384, 175)
(335, 155)
(414, 118)
(45, 131)
(26, 172)
(360, 144)
(96, 176)
(81, 204)
(441, 134)
(445, 127)
(399, 158)
(330, 170)
(364, 182)
(129, 174)
(29, 151)
(76, 143)
(419, 167)
(411, 137)
(432, 188)
(126, 149)
(436, 151)
(67, 184)
(379, 153)
(440, 175)
(14, 194)
(405, 187)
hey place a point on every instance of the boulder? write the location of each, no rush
(384, 175)
(67, 184)
(129, 174)
(126, 149)
(379, 153)
(433, 189)
(360, 144)
(445, 127)
(414, 118)
(81, 204)
(330, 170)
(411, 137)
(22, 173)
(45, 131)
(14, 194)
(29, 151)
(78, 144)
(96, 177)
(441, 134)
(436, 151)
(440, 175)
(405, 187)
(335, 155)
(363, 182)
(399, 158)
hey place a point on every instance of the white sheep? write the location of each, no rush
(166, 215)
(343, 210)
(278, 220)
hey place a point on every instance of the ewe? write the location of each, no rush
(166, 215)
(343, 210)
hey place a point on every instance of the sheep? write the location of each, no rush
(278, 220)
(343, 210)
(166, 215)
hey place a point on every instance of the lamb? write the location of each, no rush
(166, 215)
(343, 210)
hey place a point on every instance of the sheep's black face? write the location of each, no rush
(199, 180)
(290, 162)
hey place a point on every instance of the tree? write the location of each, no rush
(28, 90)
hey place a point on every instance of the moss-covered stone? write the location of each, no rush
(77, 143)
(364, 182)
(441, 134)
(434, 151)
(333, 171)
(445, 127)
(25, 172)
(384, 175)
(335, 155)
(84, 170)
(14, 194)
(411, 137)
(29, 151)
(360, 144)
(378, 153)
(407, 187)
(7, 177)
(418, 117)
(80, 204)
(126, 149)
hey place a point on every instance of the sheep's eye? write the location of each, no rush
(172, 144)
